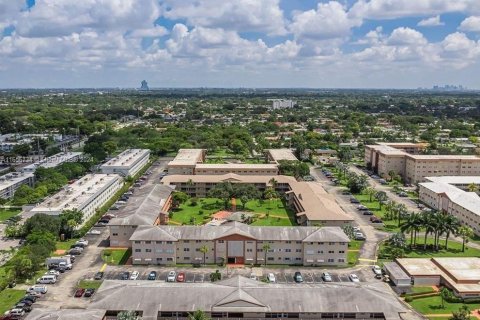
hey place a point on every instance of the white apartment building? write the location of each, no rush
(275, 155)
(127, 163)
(54, 161)
(412, 167)
(10, 182)
(86, 195)
(237, 168)
(450, 194)
(282, 103)
(237, 243)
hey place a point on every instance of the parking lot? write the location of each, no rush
(199, 276)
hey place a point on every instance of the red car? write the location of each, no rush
(181, 277)
(79, 292)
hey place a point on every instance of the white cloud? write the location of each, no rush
(431, 22)
(391, 9)
(157, 31)
(62, 17)
(9, 11)
(328, 21)
(239, 15)
(471, 24)
(406, 36)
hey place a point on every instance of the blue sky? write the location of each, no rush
(239, 43)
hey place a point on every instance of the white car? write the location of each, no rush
(15, 312)
(52, 273)
(271, 278)
(171, 276)
(38, 288)
(354, 278)
(253, 276)
(96, 232)
(83, 241)
(377, 270)
(356, 229)
(67, 266)
(134, 275)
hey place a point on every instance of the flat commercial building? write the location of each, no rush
(413, 168)
(242, 298)
(86, 195)
(450, 194)
(238, 243)
(310, 201)
(186, 160)
(10, 182)
(54, 161)
(462, 275)
(127, 163)
(282, 104)
(147, 206)
(237, 168)
(275, 155)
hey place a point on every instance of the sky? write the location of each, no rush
(239, 43)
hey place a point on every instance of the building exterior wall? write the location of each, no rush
(186, 169)
(387, 163)
(426, 280)
(130, 170)
(240, 171)
(8, 190)
(283, 252)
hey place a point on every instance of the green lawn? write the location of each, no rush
(454, 250)
(116, 257)
(355, 244)
(8, 298)
(65, 245)
(89, 284)
(433, 305)
(375, 208)
(221, 153)
(352, 258)
(278, 214)
(420, 290)
(8, 213)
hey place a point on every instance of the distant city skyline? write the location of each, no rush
(244, 43)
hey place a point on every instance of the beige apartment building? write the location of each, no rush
(312, 204)
(186, 161)
(275, 155)
(148, 206)
(448, 194)
(413, 168)
(237, 243)
(237, 168)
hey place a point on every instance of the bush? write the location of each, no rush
(201, 212)
(408, 299)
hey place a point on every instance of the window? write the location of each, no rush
(138, 250)
(169, 242)
(249, 250)
(159, 259)
(270, 258)
(148, 242)
(331, 251)
(186, 249)
(169, 259)
(186, 241)
(114, 234)
(137, 242)
(341, 251)
(198, 241)
(287, 259)
(186, 258)
(288, 250)
(341, 260)
(159, 251)
(288, 241)
(158, 242)
(298, 242)
(298, 259)
(331, 243)
(259, 250)
(310, 252)
(148, 250)
(298, 250)
(220, 241)
(331, 260)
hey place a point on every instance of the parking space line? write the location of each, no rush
(102, 269)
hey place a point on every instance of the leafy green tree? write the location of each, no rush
(42, 223)
(204, 249)
(397, 240)
(381, 197)
(179, 197)
(44, 239)
(462, 314)
(22, 149)
(370, 192)
(69, 221)
(110, 147)
(224, 191)
(445, 294)
(128, 315)
(465, 233)
(246, 192)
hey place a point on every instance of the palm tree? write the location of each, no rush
(451, 224)
(389, 209)
(429, 224)
(265, 249)
(392, 174)
(445, 294)
(273, 183)
(381, 196)
(198, 315)
(204, 249)
(370, 192)
(472, 187)
(401, 212)
(465, 233)
(410, 225)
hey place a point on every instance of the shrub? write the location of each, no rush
(408, 299)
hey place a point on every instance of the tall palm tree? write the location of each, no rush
(450, 225)
(265, 249)
(370, 192)
(389, 209)
(401, 212)
(204, 249)
(465, 233)
(410, 225)
(273, 183)
(428, 223)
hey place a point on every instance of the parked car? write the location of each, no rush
(83, 241)
(346, 193)
(32, 293)
(75, 251)
(403, 194)
(94, 232)
(65, 266)
(15, 313)
(172, 275)
(354, 200)
(271, 278)
(99, 275)
(126, 275)
(377, 270)
(362, 207)
(326, 277)
(367, 213)
(297, 277)
(52, 273)
(152, 275)
(30, 297)
(79, 293)
(359, 236)
(89, 292)
(134, 275)
(23, 306)
(181, 277)
(354, 278)
(253, 277)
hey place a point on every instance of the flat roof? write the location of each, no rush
(187, 157)
(232, 177)
(443, 157)
(77, 194)
(453, 180)
(396, 271)
(464, 269)
(281, 154)
(239, 294)
(10, 179)
(127, 158)
(53, 161)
